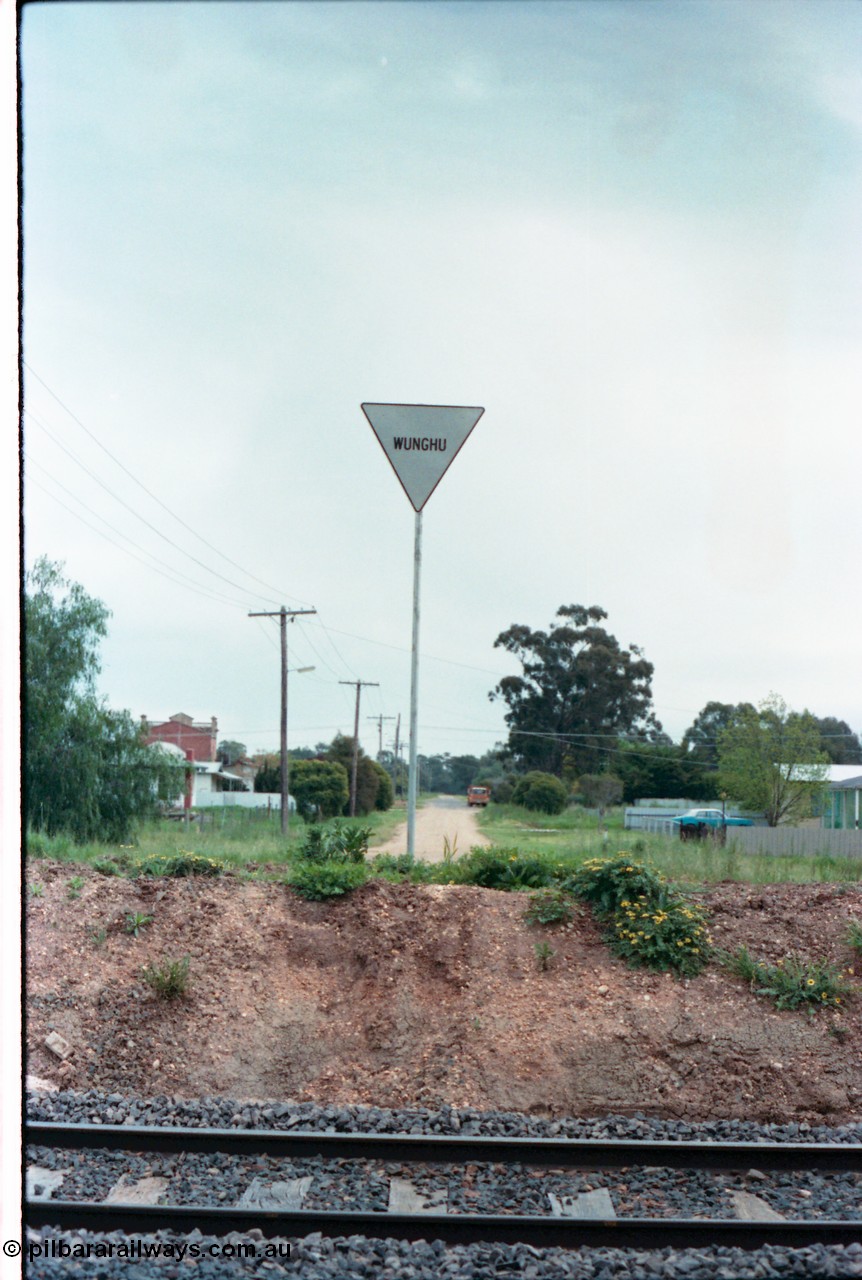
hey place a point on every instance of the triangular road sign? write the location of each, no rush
(421, 440)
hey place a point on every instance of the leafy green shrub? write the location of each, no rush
(541, 792)
(330, 879)
(495, 868)
(178, 864)
(665, 933)
(168, 979)
(385, 797)
(321, 788)
(339, 843)
(790, 982)
(398, 867)
(549, 906)
(606, 882)
(502, 791)
(647, 923)
(854, 935)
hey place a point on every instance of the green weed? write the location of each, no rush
(182, 863)
(665, 932)
(854, 935)
(791, 982)
(338, 843)
(169, 979)
(544, 955)
(549, 906)
(98, 935)
(605, 883)
(136, 921)
(74, 887)
(37, 889)
(319, 880)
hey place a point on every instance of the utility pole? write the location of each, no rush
(283, 614)
(396, 773)
(359, 685)
(379, 720)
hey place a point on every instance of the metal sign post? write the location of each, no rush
(420, 441)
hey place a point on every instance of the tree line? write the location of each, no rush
(579, 713)
(580, 710)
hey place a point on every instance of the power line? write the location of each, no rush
(137, 514)
(149, 492)
(167, 570)
(199, 590)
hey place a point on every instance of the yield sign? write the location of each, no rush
(421, 440)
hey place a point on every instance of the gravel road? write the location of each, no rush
(442, 818)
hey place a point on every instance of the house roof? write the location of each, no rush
(848, 784)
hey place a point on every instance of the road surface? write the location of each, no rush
(440, 819)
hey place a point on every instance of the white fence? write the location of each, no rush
(798, 841)
(242, 800)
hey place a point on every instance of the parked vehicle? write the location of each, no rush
(478, 796)
(696, 823)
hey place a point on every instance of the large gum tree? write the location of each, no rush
(579, 690)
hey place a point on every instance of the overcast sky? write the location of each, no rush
(630, 231)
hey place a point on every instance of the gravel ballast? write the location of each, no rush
(219, 1179)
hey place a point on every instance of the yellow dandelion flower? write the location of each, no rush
(811, 982)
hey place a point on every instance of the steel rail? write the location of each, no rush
(455, 1228)
(580, 1153)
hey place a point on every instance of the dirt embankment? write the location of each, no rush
(403, 994)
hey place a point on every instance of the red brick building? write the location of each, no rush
(197, 741)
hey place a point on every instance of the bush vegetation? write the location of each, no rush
(319, 880)
(541, 792)
(647, 923)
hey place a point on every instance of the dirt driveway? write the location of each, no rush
(443, 818)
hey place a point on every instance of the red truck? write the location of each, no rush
(478, 795)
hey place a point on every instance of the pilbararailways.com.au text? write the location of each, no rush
(135, 1249)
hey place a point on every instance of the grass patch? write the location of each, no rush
(247, 842)
(169, 979)
(573, 837)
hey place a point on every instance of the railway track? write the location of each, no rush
(282, 1165)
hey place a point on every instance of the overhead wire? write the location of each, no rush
(167, 570)
(149, 492)
(238, 586)
(154, 568)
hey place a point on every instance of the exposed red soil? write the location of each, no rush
(423, 995)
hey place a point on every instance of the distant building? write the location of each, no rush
(197, 741)
(842, 810)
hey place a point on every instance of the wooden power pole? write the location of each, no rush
(283, 614)
(359, 685)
